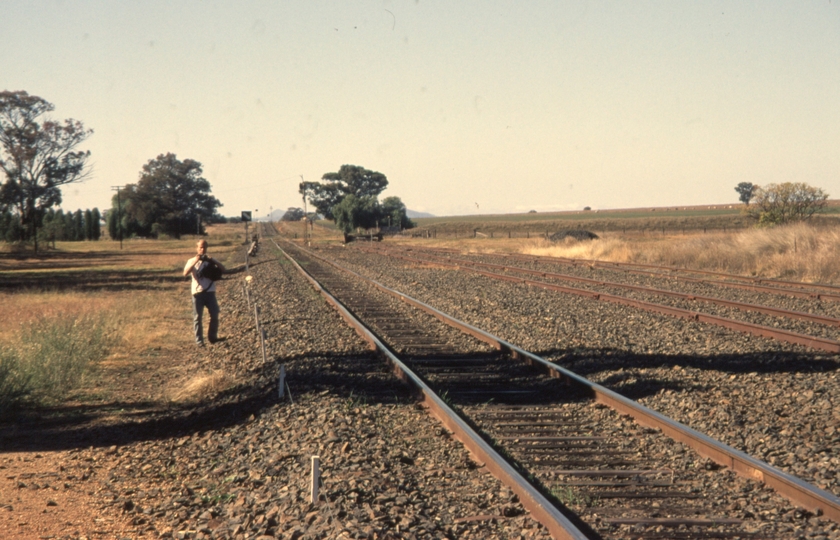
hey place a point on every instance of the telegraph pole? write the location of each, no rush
(305, 214)
(119, 212)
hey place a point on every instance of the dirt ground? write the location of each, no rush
(47, 489)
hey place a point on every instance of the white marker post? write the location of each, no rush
(281, 382)
(262, 344)
(316, 477)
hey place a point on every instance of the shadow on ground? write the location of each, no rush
(359, 379)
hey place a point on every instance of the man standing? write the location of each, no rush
(203, 293)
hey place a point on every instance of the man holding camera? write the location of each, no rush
(204, 292)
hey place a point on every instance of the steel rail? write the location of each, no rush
(661, 269)
(781, 282)
(796, 290)
(560, 526)
(814, 342)
(796, 490)
(767, 310)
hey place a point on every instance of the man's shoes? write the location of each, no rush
(217, 340)
(199, 344)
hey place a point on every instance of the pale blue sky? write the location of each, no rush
(466, 106)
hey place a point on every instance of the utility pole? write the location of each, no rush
(119, 212)
(305, 213)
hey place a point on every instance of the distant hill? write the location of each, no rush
(413, 214)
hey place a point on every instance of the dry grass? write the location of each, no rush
(201, 387)
(798, 252)
(138, 292)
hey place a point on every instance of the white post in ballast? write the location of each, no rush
(262, 344)
(316, 476)
(281, 382)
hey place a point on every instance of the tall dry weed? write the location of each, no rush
(606, 249)
(50, 341)
(201, 386)
(51, 356)
(797, 252)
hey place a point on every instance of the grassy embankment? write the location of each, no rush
(86, 304)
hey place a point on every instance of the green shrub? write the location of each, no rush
(15, 383)
(52, 359)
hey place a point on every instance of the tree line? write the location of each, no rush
(56, 226)
(39, 155)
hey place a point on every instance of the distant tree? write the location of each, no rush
(293, 214)
(112, 223)
(170, 198)
(777, 204)
(358, 181)
(78, 225)
(69, 227)
(357, 212)
(322, 196)
(395, 212)
(88, 224)
(37, 157)
(96, 221)
(49, 225)
(58, 231)
(10, 228)
(349, 180)
(745, 191)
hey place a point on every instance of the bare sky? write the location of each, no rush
(467, 106)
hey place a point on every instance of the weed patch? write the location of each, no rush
(52, 357)
(201, 387)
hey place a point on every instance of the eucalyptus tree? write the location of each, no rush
(37, 156)
(335, 186)
(171, 198)
(745, 191)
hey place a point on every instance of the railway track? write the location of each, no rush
(553, 427)
(616, 292)
(814, 291)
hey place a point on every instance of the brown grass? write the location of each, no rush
(800, 252)
(200, 387)
(138, 290)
